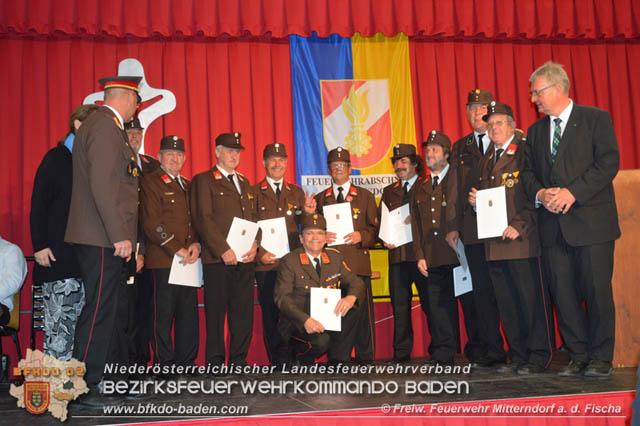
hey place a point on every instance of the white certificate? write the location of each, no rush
(339, 220)
(394, 228)
(462, 256)
(274, 236)
(189, 275)
(241, 236)
(461, 281)
(323, 303)
(491, 209)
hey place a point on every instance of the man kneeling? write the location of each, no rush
(314, 266)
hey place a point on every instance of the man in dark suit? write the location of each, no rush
(165, 216)
(571, 159)
(485, 347)
(275, 198)
(403, 272)
(311, 266)
(103, 221)
(217, 197)
(357, 244)
(522, 296)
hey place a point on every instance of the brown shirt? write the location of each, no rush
(290, 205)
(215, 201)
(165, 216)
(521, 213)
(296, 277)
(427, 224)
(393, 196)
(104, 196)
(365, 220)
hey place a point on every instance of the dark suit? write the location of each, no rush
(481, 317)
(215, 201)
(365, 221)
(289, 205)
(296, 277)
(521, 294)
(165, 215)
(578, 246)
(104, 210)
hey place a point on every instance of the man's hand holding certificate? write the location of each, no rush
(491, 209)
(339, 222)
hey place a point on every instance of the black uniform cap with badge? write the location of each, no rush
(132, 124)
(497, 108)
(274, 150)
(479, 96)
(338, 154)
(438, 138)
(229, 140)
(313, 221)
(403, 150)
(122, 82)
(171, 143)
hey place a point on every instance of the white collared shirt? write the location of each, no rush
(411, 182)
(226, 174)
(442, 174)
(564, 116)
(273, 182)
(117, 115)
(345, 186)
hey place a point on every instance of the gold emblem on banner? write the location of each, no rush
(356, 109)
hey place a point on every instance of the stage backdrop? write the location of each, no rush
(231, 70)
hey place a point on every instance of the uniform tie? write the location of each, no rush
(435, 182)
(405, 188)
(480, 143)
(498, 154)
(317, 262)
(233, 182)
(340, 196)
(277, 184)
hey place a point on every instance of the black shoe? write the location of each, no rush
(598, 369)
(529, 369)
(486, 363)
(433, 361)
(510, 368)
(574, 368)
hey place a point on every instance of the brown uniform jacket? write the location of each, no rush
(393, 197)
(290, 206)
(149, 164)
(296, 277)
(365, 220)
(214, 203)
(521, 212)
(104, 197)
(460, 216)
(165, 216)
(427, 223)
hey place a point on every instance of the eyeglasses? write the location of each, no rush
(537, 92)
(338, 166)
(497, 123)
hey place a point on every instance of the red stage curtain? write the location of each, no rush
(601, 75)
(530, 19)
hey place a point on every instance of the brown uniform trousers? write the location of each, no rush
(103, 211)
(428, 228)
(165, 216)
(215, 201)
(289, 205)
(356, 256)
(296, 277)
(403, 272)
(522, 296)
(482, 321)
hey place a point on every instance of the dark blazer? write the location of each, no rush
(428, 223)
(104, 198)
(521, 213)
(49, 213)
(214, 203)
(460, 217)
(165, 217)
(296, 277)
(393, 197)
(365, 220)
(290, 205)
(586, 163)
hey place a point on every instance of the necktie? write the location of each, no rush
(556, 139)
(498, 154)
(405, 188)
(233, 182)
(435, 181)
(317, 262)
(277, 184)
(480, 143)
(340, 196)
